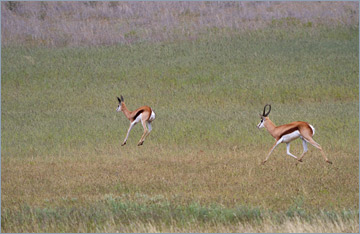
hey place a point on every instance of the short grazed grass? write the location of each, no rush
(63, 169)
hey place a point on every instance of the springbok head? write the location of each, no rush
(264, 116)
(121, 99)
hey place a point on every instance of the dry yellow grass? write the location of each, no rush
(225, 176)
(228, 177)
(296, 226)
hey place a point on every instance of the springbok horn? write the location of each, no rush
(268, 111)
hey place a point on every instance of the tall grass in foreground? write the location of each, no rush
(115, 215)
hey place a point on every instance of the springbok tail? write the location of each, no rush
(152, 116)
(313, 129)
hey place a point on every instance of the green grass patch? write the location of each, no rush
(206, 91)
(121, 214)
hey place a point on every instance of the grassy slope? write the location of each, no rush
(61, 135)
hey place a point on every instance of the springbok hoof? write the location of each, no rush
(263, 162)
(140, 143)
(299, 160)
(123, 144)
(328, 161)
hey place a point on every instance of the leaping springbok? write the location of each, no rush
(144, 114)
(289, 132)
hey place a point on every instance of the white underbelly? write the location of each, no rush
(291, 136)
(138, 119)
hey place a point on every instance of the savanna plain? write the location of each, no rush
(63, 168)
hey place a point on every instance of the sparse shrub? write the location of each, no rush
(12, 5)
(308, 24)
(42, 12)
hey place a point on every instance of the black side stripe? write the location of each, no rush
(138, 113)
(289, 131)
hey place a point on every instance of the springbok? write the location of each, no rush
(144, 114)
(289, 132)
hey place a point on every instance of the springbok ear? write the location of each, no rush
(122, 99)
(119, 99)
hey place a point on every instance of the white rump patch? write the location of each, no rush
(152, 116)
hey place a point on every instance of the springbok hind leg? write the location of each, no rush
(305, 150)
(142, 139)
(149, 129)
(288, 150)
(311, 141)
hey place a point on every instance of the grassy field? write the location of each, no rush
(63, 169)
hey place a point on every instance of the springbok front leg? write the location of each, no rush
(276, 144)
(128, 132)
